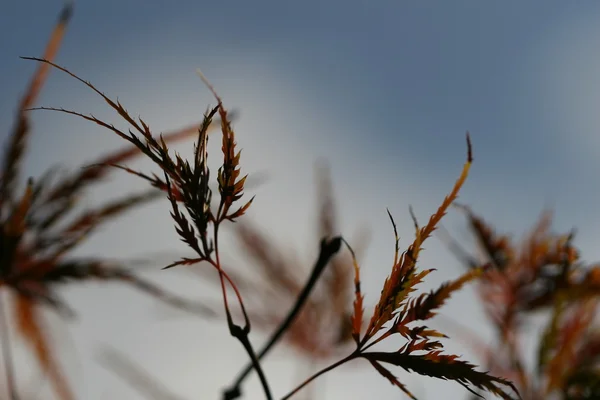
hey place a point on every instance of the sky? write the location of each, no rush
(384, 90)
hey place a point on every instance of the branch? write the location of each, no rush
(328, 250)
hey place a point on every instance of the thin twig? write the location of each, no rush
(321, 372)
(328, 250)
(237, 331)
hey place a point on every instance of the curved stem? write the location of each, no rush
(321, 372)
(236, 331)
(328, 250)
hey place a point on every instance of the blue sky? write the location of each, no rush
(384, 89)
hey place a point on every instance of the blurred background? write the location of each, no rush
(383, 90)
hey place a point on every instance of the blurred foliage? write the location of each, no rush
(539, 274)
(40, 228)
(319, 312)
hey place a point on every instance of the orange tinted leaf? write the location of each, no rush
(99, 168)
(421, 308)
(571, 334)
(241, 211)
(403, 277)
(357, 316)
(30, 327)
(18, 138)
(16, 223)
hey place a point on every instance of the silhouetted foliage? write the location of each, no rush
(40, 228)
(189, 184)
(320, 312)
(540, 273)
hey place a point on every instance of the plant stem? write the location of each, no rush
(237, 331)
(327, 251)
(321, 372)
(242, 336)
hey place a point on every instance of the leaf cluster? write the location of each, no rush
(275, 280)
(541, 273)
(397, 310)
(186, 184)
(41, 225)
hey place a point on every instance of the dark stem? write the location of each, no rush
(321, 372)
(237, 331)
(327, 251)
(242, 336)
(7, 354)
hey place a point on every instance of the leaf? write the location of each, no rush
(396, 237)
(15, 226)
(58, 243)
(422, 307)
(357, 316)
(99, 169)
(549, 336)
(19, 134)
(335, 277)
(96, 269)
(230, 187)
(35, 267)
(570, 335)
(497, 248)
(30, 327)
(447, 367)
(403, 276)
(240, 211)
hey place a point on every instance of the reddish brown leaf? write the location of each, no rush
(32, 330)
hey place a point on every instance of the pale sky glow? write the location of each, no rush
(384, 90)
